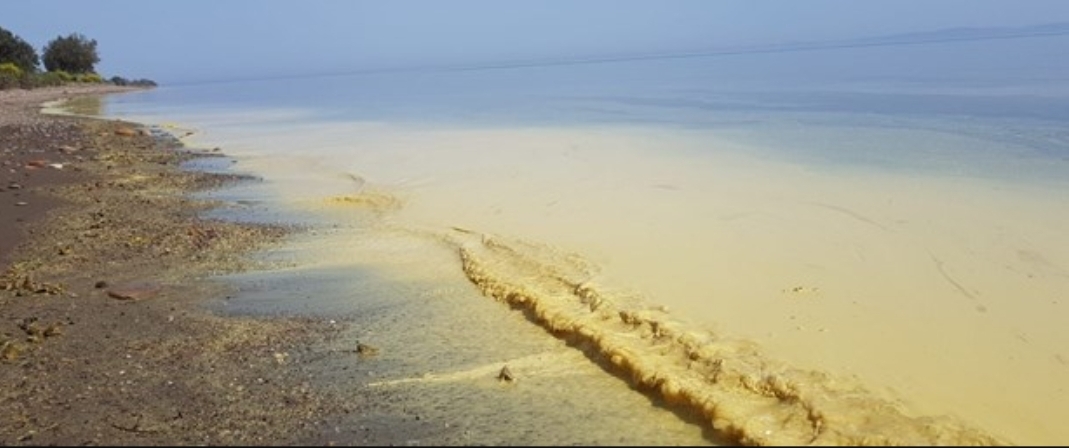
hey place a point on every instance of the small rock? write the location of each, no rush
(506, 374)
(53, 330)
(21, 203)
(366, 350)
(134, 291)
(101, 284)
(125, 132)
(10, 351)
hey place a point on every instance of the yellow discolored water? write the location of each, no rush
(778, 303)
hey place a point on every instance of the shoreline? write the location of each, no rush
(106, 266)
(181, 252)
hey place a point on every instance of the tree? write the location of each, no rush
(72, 54)
(16, 51)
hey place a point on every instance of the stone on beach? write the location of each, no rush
(134, 291)
(125, 132)
(506, 375)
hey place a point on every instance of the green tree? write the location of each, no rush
(72, 54)
(16, 51)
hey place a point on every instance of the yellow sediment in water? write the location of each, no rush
(744, 394)
(375, 201)
(892, 296)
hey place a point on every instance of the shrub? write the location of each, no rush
(48, 79)
(89, 77)
(8, 81)
(74, 53)
(10, 68)
(61, 75)
(10, 76)
(16, 51)
(120, 81)
(29, 81)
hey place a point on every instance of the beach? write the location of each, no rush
(322, 303)
(105, 265)
(118, 329)
(112, 332)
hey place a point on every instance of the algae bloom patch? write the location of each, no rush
(375, 201)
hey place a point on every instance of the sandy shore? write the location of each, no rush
(106, 333)
(105, 337)
(104, 267)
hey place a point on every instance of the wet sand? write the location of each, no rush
(105, 270)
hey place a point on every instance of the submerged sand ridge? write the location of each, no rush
(744, 394)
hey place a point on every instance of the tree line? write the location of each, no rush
(66, 59)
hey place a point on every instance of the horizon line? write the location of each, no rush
(886, 40)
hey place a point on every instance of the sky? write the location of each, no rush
(199, 40)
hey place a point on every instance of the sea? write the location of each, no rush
(856, 244)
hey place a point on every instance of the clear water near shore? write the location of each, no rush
(894, 244)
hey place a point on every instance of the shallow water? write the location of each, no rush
(835, 262)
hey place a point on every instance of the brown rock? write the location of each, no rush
(10, 351)
(55, 329)
(125, 132)
(506, 375)
(134, 291)
(366, 350)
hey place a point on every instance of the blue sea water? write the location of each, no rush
(977, 126)
(1011, 91)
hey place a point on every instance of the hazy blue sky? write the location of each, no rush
(185, 40)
